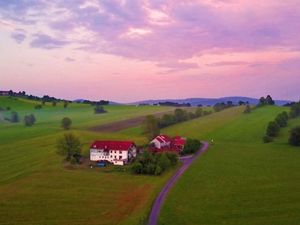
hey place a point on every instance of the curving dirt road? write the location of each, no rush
(187, 161)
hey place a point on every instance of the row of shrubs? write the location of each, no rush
(180, 115)
(281, 121)
(273, 127)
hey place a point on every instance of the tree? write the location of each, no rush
(180, 115)
(29, 120)
(167, 120)
(199, 112)
(54, 103)
(282, 119)
(66, 104)
(163, 161)
(70, 147)
(247, 109)
(295, 110)
(269, 100)
(66, 123)
(14, 117)
(150, 127)
(99, 109)
(262, 101)
(273, 129)
(295, 136)
(191, 146)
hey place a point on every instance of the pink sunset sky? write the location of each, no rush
(128, 50)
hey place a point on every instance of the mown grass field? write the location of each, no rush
(36, 187)
(239, 180)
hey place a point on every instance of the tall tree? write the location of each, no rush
(269, 100)
(150, 127)
(70, 147)
(295, 136)
(66, 123)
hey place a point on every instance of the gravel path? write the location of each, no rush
(187, 161)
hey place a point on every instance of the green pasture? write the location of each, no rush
(239, 180)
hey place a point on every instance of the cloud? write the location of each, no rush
(160, 31)
(228, 63)
(47, 42)
(18, 36)
(68, 59)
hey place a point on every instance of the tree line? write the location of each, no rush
(152, 125)
(281, 121)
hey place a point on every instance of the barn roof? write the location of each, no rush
(113, 145)
(163, 138)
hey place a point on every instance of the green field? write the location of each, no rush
(36, 187)
(239, 180)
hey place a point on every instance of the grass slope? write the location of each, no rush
(239, 180)
(36, 188)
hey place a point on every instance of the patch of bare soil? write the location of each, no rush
(124, 124)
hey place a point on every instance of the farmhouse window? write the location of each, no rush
(120, 157)
(120, 152)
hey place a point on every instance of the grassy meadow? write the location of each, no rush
(36, 187)
(239, 180)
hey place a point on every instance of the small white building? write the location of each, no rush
(161, 141)
(116, 152)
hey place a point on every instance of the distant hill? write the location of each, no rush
(208, 101)
(82, 100)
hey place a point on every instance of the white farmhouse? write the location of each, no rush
(161, 141)
(116, 152)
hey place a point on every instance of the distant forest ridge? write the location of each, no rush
(206, 101)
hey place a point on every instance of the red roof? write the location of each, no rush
(179, 141)
(163, 138)
(113, 145)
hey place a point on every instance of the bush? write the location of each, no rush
(273, 129)
(54, 104)
(163, 161)
(29, 120)
(38, 106)
(99, 109)
(295, 136)
(247, 109)
(136, 167)
(191, 146)
(66, 123)
(267, 139)
(173, 157)
(153, 164)
(14, 117)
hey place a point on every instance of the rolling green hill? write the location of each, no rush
(36, 187)
(239, 180)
